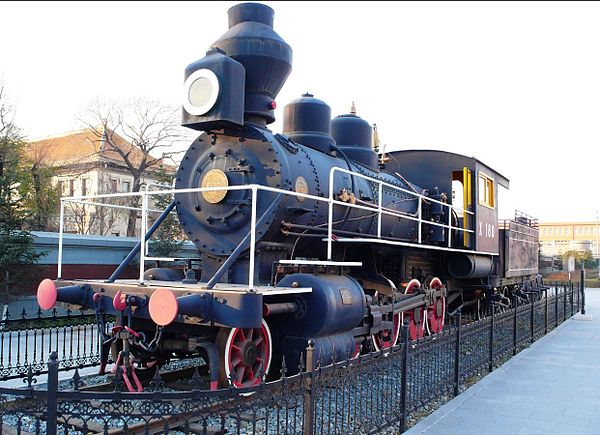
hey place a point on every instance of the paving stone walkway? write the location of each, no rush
(552, 387)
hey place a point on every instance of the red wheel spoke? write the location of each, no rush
(241, 333)
(259, 340)
(234, 347)
(250, 373)
(236, 361)
(239, 373)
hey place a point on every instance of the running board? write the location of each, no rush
(321, 263)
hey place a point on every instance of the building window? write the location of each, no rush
(84, 185)
(486, 190)
(113, 185)
(126, 186)
(71, 187)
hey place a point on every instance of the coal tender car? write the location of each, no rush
(305, 234)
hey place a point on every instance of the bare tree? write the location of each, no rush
(94, 219)
(135, 132)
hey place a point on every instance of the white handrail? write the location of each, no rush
(61, 230)
(145, 193)
(252, 237)
(143, 231)
(381, 210)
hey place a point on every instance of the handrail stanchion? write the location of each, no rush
(142, 235)
(146, 215)
(449, 226)
(330, 216)
(419, 208)
(252, 238)
(379, 199)
(61, 230)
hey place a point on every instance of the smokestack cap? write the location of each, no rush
(250, 12)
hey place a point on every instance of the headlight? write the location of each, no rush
(201, 90)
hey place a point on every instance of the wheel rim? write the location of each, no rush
(436, 312)
(416, 317)
(248, 355)
(386, 339)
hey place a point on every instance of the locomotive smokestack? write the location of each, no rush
(240, 76)
(266, 57)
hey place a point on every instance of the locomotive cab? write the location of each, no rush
(469, 184)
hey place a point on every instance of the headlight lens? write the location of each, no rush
(201, 90)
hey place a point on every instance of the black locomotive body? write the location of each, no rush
(347, 242)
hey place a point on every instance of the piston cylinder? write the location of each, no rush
(335, 304)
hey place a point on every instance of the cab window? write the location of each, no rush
(486, 190)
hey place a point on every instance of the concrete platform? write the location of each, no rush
(552, 387)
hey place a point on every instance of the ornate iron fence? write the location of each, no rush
(26, 342)
(368, 394)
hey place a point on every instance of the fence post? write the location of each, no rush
(582, 288)
(556, 292)
(309, 395)
(52, 386)
(572, 298)
(564, 302)
(404, 379)
(532, 323)
(491, 366)
(457, 318)
(546, 313)
(514, 300)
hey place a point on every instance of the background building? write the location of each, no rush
(557, 238)
(83, 166)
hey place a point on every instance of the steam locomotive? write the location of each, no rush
(308, 234)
